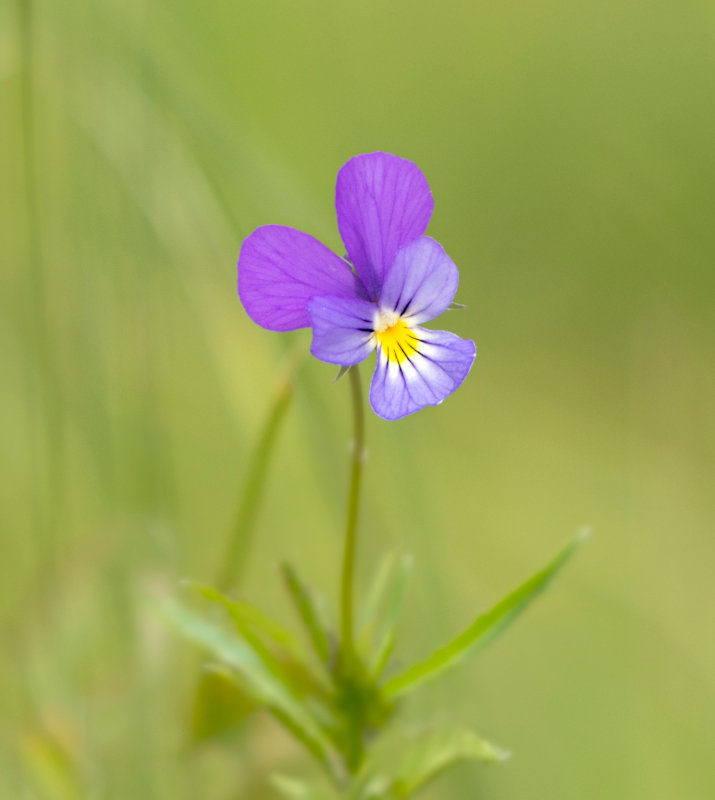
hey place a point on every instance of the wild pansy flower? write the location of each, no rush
(396, 279)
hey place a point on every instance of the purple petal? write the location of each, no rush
(280, 269)
(342, 329)
(421, 282)
(441, 363)
(382, 203)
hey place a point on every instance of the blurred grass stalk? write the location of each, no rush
(43, 387)
(232, 565)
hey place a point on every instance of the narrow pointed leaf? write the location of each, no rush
(293, 789)
(437, 752)
(250, 618)
(258, 680)
(277, 647)
(382, 609)
(405, 766)
(375, 788)
(310, 614)
(483, 629)
(219, 705)
(375, 595)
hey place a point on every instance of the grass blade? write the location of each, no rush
(242, 533)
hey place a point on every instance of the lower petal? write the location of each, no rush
(450, 352)
(342, 329)
(425, 378)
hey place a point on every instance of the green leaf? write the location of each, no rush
(436, 752)
(257, 677)
(398, 772)
(311, 615)
(219, 704)
(278, 649)
(297, 790)
(252, 622)
(483, 629)
(382, 608)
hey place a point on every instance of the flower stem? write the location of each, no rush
(356, 460)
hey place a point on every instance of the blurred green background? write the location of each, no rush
(569, 146)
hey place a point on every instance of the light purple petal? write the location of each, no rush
(421, 282)
(425, 378)
(280, 269)
(342, 329)
(382, 203)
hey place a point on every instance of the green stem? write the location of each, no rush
(357, 458)
(242, 532)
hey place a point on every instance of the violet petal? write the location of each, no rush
(342, 329)
(280, 269)
(420, 283)
(382, 202)
(426, 378)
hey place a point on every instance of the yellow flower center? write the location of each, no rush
(398, 341)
